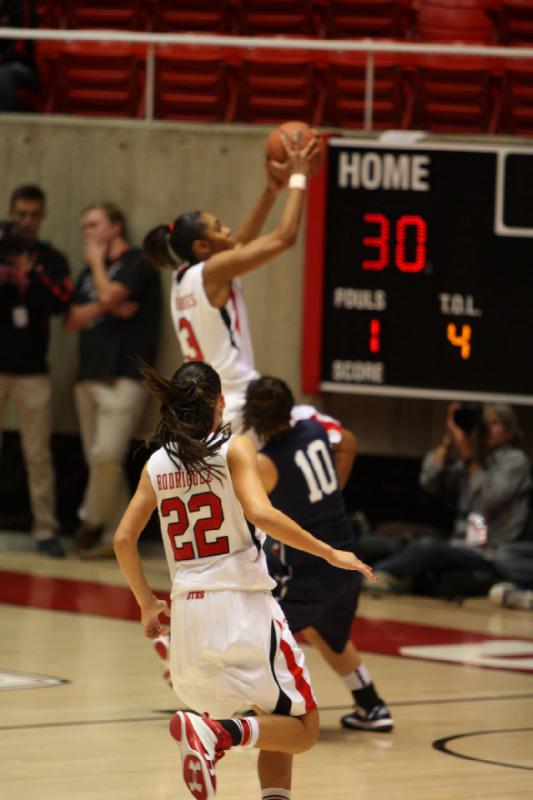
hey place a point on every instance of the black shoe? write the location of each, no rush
(378, 719)
(51, 547)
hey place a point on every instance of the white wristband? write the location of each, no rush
(298, 181)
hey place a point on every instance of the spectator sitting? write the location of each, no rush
(17, 57)
(116, 308)
(34, 284)
(488, 482)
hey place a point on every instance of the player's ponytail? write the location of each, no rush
(166, 245)
(155, 247)
(188, 401)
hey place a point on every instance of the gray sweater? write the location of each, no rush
(499, 490)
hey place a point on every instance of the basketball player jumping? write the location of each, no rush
(207, 304)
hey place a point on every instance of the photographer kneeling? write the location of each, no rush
(481, 472)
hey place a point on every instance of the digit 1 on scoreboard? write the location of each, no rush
(375, 330)
(461, 340)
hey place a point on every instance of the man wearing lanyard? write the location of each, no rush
(34, 284)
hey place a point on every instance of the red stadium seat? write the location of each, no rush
(191, 15)
(516, 21)
(48, 14)
(348, 19)
(271, 17)
(194, 83)
(120, 14)
(277, 85)
(455, 95)
(47, 54)
(345, 91)
(99, 79)
(517, 103)
(455, 21)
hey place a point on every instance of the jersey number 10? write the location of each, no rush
(318, 470)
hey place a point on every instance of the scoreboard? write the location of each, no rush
(419, 272)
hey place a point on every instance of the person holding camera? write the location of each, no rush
(479, 469)
(34, 284)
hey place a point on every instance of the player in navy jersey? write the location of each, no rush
(297, 468)
(231, 647)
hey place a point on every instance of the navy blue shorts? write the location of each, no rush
(324, 598)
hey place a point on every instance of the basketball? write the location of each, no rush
(302, 133)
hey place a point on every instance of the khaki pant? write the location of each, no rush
(109, 414)
(31, 397)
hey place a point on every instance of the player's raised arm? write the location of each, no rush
(221, 267)
(252, 224)
(199, 237)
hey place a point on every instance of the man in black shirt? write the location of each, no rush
(34, 284)
(116, 308)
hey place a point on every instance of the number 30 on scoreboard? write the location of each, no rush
(412, 263)
(406, 224)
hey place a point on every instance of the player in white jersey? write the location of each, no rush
(220, 336)
(231, 647)
(207, 305)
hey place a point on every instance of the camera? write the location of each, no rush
(469, 417)
(12, 244)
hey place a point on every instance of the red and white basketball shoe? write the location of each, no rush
(202, 742)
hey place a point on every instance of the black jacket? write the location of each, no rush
(24, 315)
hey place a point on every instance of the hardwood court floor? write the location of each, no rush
(463, 730)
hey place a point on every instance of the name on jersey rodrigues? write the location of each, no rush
(185, 301)
(181, 479)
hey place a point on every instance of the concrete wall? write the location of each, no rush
(155, 171)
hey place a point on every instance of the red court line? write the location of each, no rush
(66, 594)
(387, 636)
(382, 636)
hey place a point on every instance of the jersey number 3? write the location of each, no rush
(204, 549)
(188, 342)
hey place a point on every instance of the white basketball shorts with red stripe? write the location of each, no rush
(231, 650)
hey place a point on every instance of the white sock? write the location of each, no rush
(275, 794)
(250, 730)
(357, 679)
